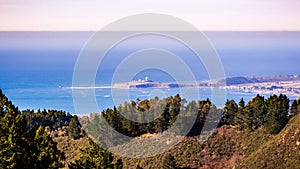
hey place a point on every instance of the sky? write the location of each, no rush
(83, 15)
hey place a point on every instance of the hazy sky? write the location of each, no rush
(204, 14)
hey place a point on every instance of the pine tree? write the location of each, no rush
(230, 110)
(255, 112)
(239, 118)
(295, 108)
(74, 128)
(44, 151)
(277, 115)
(14, 147)
(258, 109)
(24, 149)
(97, 158)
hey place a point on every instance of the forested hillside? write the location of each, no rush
(263, 133)
(46, 139)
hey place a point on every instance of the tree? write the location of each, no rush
(13, 139)
(240, 117)
(20, 148)
(74, 128)
(230, 111)
(175, 108)
(44, 151)
(295, 108)
(277, 115)
(169, 162)
(53, 118)
(14, 148)
(256, 112)
(97, 158)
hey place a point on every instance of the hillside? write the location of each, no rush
(260, 79)
(282, 151)
(71, 147)
(230, 148)
(264, 133)
(244, 130)
(227, 148)
(217, 152)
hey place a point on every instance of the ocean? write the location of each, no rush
(36, 68)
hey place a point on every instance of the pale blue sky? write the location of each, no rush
(234, 15)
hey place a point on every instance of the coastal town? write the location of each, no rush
(289, 85)
(290, 88)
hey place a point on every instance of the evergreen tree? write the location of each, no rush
(14, 147)
(175, 108)
(248, 118)
(239, 118)
(295, 108)
(97, 158)
(20, 148)
(74, 128)
(230, 111)
(44, 152)
(277, 115)
(53, 118)
(256, 112)
(169, 162)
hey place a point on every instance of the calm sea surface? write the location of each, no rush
(36, 68)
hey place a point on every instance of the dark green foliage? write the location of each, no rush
(230, 110)
(44, 152)
(161, 109)
(163, 113)
(96, 157)
(272, 113)
(13, 137)
(295, 108)
(169, 162)
(155, 116)
(228, 147)
(277, 115)
(203, 109)
(256, 111)
(74, 128)
(239, 118)
(20, 148)
(25, 144)
(53, 118)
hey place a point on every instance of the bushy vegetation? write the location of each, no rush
(258, 120)
(279, 151)
(161, 114)
(94, 156)
(249, 135)
(25, 140)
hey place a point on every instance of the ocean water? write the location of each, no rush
(36, 68)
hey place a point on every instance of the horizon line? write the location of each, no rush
(100, 30)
